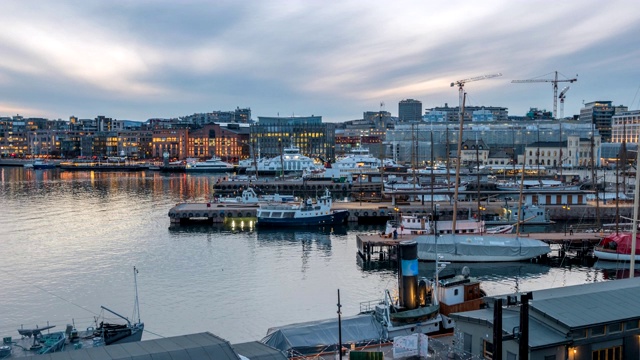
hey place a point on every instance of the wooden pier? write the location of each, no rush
(382, 247)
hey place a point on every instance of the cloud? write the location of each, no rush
(163, 58)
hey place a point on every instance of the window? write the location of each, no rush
(511, 356)
(487, 350)
(467, 342)
(597, 330)
(455, 292)
(612, 353)
(614, 328)
(631, 325)
(579, 334)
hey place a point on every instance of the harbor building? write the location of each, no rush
(314, 138)
(409, 110)
(592, 321)
(600, 113)
(625, 126)
(408, 143)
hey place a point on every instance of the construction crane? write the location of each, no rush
(562, 96)
(460, 84)
(555, 82)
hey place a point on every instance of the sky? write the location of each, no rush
(141, 59)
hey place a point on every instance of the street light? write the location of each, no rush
(566, 207)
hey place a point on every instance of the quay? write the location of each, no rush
(382, 247)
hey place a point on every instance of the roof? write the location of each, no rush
(574, 307)
(548, 144)
(540, 335)
(255, 350)
(186, 347)
(319, 336)
(581, 305)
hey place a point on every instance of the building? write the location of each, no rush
(452, 114)
(172, 141)
(229, 142)
(574, 152)
(409, 110)
(474, 152)
(240, 116)
(315, 139)
(625, 126)
(600, 114)
(401, 141)
(592, 321)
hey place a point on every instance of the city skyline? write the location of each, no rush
(143, 59)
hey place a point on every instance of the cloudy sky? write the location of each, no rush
(142, 59)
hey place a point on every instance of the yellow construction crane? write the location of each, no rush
(554, 82)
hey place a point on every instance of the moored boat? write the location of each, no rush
(102, 334)
(616, 247)
(213, 165)
(40, 164)
(304, 213)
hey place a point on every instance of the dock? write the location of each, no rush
(382, 247)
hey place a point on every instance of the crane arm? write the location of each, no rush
(462, 82)
(564, 91)
(543, 80)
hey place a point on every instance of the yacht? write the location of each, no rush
(358, 160)
(215, 164)
(291, 161)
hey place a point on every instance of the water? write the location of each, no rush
(69, 241)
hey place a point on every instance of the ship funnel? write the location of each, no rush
(408, 274)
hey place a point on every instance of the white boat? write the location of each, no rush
(531, 215)
(304, 213)
(500, 229)
(214, 165)
(359, 160)
(479, 248)
(420, 225)
(537, 186)
(292, 161)
(249, 197)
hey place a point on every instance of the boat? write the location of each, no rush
(304, 213)
(500, 229)
(537, 186)
(392, 184)
(616, 247)
(249, 197)
(213, 165)
(39, 340)
(101, 166)
(291, 162)
(531, 215)
(360, 161)
(480, 248)
(40, 164)
(422, 306)
(421, 225)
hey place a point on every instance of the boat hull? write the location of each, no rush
(333, 218)
(479, 248)
(612, 255)
(212, 170)
(44, 167)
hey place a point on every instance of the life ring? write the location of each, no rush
(382, 213)
(357, 213)
(190, 214)
(222, 214)
(249, 215)
(214, 215)
(374, 214)
(366, 213)
(230, 214)
(197, 215)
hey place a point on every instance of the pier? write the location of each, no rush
(382, 247)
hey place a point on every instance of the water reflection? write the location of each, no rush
(614, 270)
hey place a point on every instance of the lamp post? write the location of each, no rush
(566, 207)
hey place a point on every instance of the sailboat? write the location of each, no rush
(622, 246)
(470, 247)
(46, 341)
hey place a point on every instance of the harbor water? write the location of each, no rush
(69, 242)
